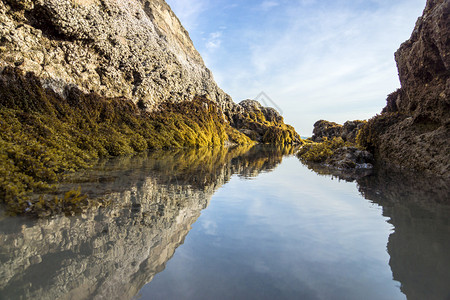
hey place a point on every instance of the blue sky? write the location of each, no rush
(330, 60)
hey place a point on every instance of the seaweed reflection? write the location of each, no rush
(112, 252)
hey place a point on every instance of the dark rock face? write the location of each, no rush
(424, 65)
(413, 129)
(323, 128)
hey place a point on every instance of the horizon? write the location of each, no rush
(331, 60)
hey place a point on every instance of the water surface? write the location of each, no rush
(235, 224)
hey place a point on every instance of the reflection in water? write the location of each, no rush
(111, 253)
(418, 207)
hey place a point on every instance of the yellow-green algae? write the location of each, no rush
(44, 136)
(255, 125)
(319, 152)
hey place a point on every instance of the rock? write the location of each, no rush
(350, 130)
(424, 65)
(134, 49)
(263, 124)
(326, 129)
(350, 157)
(412, 131)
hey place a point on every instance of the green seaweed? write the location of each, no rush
(44, 136)
(257, 127)
(320, 152)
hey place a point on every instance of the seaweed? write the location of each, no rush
(44, 136)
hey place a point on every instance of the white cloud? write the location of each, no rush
(214, 40)
(331, 63)
(267, 5)
(314, 60)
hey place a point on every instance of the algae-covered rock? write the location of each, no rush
(86, 79)
(336, 153)
(263, 124)
(43, 135)
(326, 129)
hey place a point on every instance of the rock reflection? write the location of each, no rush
(418, 206)
(112, 252)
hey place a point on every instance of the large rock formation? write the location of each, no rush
(137, 50)
(134, 49)
(107, 77)
(413, 129)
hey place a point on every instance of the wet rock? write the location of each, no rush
(350, 157)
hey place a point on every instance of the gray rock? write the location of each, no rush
(117, 48)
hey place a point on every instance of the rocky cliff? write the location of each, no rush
(134, 49)
(413, 129)
(85, 79)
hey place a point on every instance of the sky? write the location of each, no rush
(328, 59)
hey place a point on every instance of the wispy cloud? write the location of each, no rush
(315, 59)
(267, 5)
(214, 40)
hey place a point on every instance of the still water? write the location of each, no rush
(235, 224)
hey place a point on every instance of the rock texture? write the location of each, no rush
(326, 129)
(117, 48)
(414, 128)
